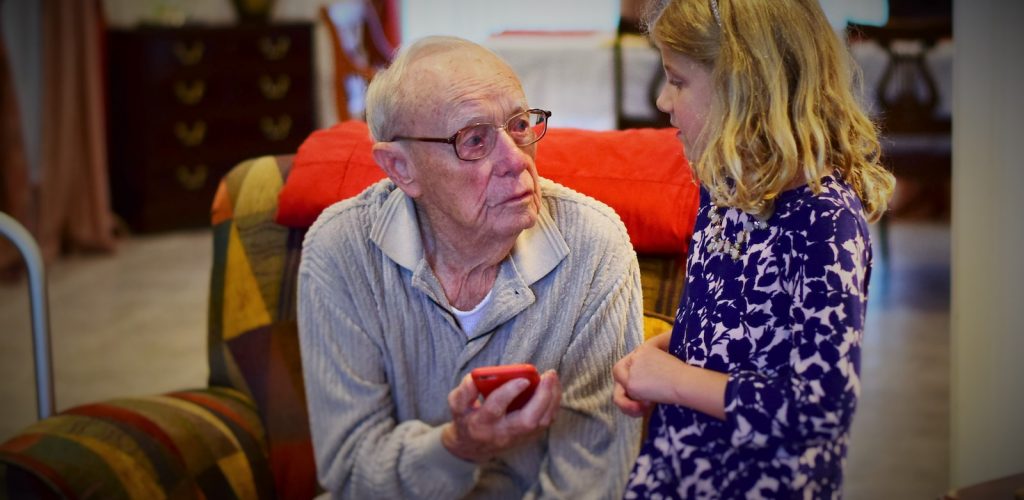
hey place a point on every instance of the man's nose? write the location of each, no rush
(508, 156)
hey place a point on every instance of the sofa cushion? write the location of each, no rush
(641, 173)
(189, 444)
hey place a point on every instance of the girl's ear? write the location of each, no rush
(394, 160)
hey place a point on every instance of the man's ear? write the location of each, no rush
(394, 160)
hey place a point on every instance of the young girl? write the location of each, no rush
(754, 390)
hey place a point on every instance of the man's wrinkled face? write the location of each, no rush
(497, 195)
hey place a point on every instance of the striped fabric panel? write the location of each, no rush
(662, 278)
(192, 444)
(251, 262)
(253, 331)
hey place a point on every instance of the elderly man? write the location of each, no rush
(464, 257)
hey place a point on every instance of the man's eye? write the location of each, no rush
(518, 125)
(473, 137)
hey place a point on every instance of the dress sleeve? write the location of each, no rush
(811, 398)
(592, 445)
(359, 449)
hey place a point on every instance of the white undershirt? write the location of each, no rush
(469, 319)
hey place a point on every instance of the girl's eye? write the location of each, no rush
(673, 80)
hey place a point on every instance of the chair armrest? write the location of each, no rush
(202, 443)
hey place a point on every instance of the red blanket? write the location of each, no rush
(640, 173)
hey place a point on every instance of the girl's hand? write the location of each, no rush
(627, 401)
(650, 375)
(628, 405)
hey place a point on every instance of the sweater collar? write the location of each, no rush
(537, 250)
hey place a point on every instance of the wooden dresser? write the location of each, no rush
(187, 104)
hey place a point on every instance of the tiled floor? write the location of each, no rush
(131, 324)
(135, 323)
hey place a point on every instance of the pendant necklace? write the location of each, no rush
(720, 244)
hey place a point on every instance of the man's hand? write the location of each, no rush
(479, 431)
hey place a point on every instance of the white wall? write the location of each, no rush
(987, 315)
(478, 19)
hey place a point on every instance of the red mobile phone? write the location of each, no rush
(489, 378)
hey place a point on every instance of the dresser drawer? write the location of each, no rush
(185, 105)
(160, 53)
(218, 90)
(253, 131)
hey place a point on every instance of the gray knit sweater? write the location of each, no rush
(381, 351)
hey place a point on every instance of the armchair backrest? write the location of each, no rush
(253, 342)
(253, 331)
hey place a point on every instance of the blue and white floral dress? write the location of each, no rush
(784, 320)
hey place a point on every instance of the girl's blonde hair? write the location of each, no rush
(784, 105)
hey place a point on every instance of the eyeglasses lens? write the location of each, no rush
(476, 141)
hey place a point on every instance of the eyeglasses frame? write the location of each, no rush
(451, 140)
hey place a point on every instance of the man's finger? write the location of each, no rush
(462, 397)
(497, 401)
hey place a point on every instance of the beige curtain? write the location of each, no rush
(74, 212)
(15, 191)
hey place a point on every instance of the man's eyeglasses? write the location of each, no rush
(477, 140)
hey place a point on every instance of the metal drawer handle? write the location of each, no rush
(275, 48)
(275, 88)
(192, 179)
(190, 136)
(190, 93)
(189, 54)
(275, 130)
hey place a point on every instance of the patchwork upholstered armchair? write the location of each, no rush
(246, 435)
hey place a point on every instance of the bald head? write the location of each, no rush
(432, 77)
